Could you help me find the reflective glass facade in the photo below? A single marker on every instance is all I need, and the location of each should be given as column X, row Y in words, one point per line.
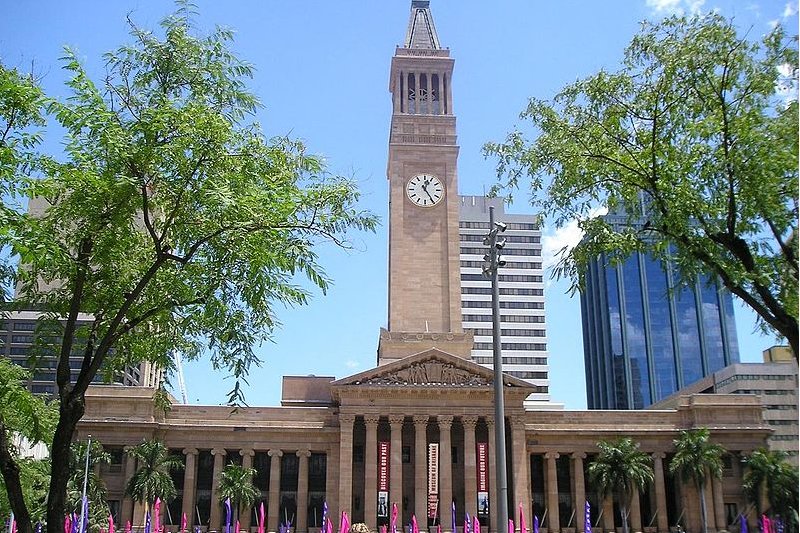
column 646, row 335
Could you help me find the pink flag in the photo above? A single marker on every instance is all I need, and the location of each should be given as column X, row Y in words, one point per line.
column 522, row 527
column 439, row 528
column 183, row 524
column 344, row 526
column 510, row 526
column 382, row 529
column 13, row 526
column 329, row 526
column 157, row 515
column 414, row 526
column 237, row 526
column 110, row 524
column 393, row 523
column 128, row 526
column 67, row 524
column 261, row 518
column 476, row 525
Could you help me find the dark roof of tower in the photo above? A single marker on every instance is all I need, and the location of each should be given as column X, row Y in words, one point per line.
column 421, row 30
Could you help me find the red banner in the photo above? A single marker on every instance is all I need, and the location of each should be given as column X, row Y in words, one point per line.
column 383, row 466
column 483, row 478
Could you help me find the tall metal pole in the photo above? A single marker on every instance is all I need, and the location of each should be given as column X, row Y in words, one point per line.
column 499, row 401
column 85, row 483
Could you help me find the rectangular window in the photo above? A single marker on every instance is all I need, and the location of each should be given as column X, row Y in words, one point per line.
column 406, row 454
column 358, row 453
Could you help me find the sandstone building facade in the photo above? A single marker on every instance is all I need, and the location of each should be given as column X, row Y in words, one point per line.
column 416, row 430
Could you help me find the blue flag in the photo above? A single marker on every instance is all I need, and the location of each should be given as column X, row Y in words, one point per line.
column 147, row 523
column 38, row 528
column 324, row 513
column 588, row 523
column 453, row 516
column 85, row 512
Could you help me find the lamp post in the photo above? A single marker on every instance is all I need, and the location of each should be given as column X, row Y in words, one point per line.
column 491, row 263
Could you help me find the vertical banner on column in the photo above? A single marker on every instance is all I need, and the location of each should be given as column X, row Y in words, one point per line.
column 433, row 479
column 383, row 479
column 483, row 478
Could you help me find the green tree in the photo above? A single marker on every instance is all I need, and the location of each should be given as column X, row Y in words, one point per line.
column 621, row 469
column 769, row 477
column 152, row 478
column 22, row 416
column 697, row 459
column 236, row 483
column 695, row 140
column 95, row 486
column 170, row 220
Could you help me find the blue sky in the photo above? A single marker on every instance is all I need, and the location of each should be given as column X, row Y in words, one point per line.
column 322, row 74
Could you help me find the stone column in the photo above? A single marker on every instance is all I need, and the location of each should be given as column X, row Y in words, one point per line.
column 130, row 470
column 421, row 470
column 302, row 491
column 189, row 484
column 580, row 490
column 398, row 94
column 371, row 472
column 470, row 465
column 661, row 498
column 522, row 470
column 636, row 510
column 219, row 458
column 608, row 513
column 396, row 465
column 553, row 520
column 449, row 94
column 246, row 513
column 445, row 471
column 440, row 93
column 491, row 454
column 346, row 422
column 719, row 504
column 273, row 503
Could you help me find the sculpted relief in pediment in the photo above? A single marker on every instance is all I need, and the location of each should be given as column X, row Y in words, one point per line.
column 431, row 373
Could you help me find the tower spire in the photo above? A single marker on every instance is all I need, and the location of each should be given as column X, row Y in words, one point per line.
column 421, row 30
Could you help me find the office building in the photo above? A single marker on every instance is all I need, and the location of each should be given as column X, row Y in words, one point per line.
column 415, row 431
column 523, row 337
column 24, row 339
column 773, row 382
column 646, row 335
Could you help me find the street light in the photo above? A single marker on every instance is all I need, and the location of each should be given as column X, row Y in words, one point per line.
column 492, row 262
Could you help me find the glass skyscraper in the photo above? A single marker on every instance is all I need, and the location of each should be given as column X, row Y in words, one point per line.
column 646, row 335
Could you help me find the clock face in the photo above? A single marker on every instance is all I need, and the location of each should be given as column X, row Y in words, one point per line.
column 425, row 190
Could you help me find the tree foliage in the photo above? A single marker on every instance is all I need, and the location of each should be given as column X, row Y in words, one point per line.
column 170, row 221
column 769, row 474
column 697, row 459
column 621, row 469
column 95, row 486
column 152, row 478
column 236, row 483
column 694, row 140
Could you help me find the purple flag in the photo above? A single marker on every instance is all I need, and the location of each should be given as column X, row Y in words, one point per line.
column 324, row 513
column 742, row 523
column 147, row 523
column 228, row 515
column 588, row 519
column 467, row 524
column 75, row 523
column 535, row 524
column 453, row 516
column 85, row 511
column 38, row 528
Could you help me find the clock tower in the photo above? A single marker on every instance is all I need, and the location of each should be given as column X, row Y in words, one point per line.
column 424, row 278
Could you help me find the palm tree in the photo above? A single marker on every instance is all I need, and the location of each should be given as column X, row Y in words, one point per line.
column 696, row 458
column 152, row 478
column 95, row 486
column 621, row 468
column 236, row 483
column 769, row 474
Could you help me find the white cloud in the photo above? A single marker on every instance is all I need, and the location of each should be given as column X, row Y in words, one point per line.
column 351, row 364
column 561, row 240
column 773, row 23
column 790, row 10
column 675, row 7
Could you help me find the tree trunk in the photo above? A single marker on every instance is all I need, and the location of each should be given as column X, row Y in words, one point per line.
column 703, row 512
column 13, row 485
column 70, row 413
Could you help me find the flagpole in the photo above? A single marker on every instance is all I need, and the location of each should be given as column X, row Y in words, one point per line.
column 85, row 483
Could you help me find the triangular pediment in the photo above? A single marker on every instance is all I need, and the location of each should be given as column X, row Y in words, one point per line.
column 432, row 368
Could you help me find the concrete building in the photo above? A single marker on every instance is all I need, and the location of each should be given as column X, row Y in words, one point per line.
column 523, row 333
column 774, row 383
column 646, row 335
column 416, row 431
column 25, row 340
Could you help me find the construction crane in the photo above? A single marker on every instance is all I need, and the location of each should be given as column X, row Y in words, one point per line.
column 181, row 382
